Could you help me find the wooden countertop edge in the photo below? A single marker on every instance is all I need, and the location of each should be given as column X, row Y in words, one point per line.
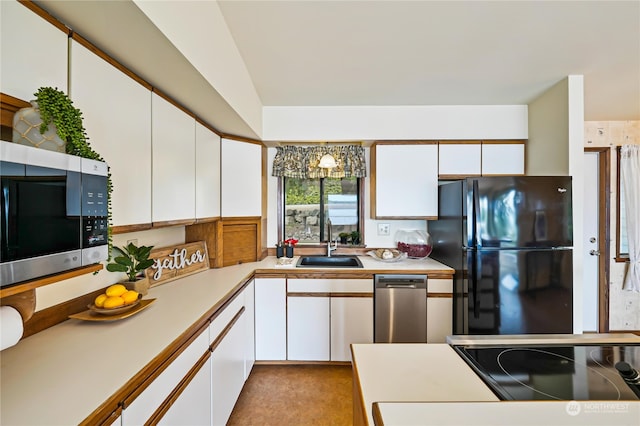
column 345, row 273
column 120, row 399
column 138, row 383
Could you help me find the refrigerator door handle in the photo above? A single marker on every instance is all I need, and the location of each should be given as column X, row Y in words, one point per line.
column 474, row 284
column 475, row 215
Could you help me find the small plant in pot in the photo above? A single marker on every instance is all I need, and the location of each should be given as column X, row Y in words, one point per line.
column 355, row 238
column 344, row 237
column 133, row 260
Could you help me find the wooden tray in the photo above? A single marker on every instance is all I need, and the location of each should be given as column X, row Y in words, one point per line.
column 90, row 315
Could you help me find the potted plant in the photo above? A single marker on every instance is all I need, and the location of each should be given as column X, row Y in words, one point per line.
column 57, row 109
column 344, row 236
column 355, row 238
column 133, row 261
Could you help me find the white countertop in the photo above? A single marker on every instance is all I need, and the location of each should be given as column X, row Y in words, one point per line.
column 405, row 372
column 69, row 370
column 511, row 413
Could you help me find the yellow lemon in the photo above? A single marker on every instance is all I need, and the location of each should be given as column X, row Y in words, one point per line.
column 130, row 296
column 113, row 302
column 99, row 302
column 116, row 290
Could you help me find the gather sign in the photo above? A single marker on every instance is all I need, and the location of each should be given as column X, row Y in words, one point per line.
column 170, row 263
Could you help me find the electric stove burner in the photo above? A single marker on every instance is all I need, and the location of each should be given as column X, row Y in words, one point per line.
column 566, row 373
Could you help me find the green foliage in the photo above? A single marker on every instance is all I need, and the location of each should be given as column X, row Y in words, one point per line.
column 307, row 191
column 132, row 260
column 56, row 107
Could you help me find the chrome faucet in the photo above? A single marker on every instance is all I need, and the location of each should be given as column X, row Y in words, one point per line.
column 329, row 248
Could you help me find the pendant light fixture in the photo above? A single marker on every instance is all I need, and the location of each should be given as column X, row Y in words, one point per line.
column 327, row 162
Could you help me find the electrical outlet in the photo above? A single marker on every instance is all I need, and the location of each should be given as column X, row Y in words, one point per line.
column 135, row 242
column 383, row 229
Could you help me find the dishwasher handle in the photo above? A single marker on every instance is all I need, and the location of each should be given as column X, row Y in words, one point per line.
column 400, row 285
column 401, row 281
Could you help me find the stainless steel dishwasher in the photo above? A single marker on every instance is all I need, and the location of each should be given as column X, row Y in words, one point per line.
column 400, row 309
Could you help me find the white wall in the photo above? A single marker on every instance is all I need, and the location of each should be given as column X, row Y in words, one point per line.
column 555, row 147
column 395, row 122
column 199, row 31
column 63, row 291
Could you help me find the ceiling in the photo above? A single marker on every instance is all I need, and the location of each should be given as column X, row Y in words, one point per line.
column 392, row 53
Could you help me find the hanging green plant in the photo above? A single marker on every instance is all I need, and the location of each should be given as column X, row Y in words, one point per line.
column 57, row 108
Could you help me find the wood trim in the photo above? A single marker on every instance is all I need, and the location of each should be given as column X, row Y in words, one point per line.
column 620, row 258
column 329, row 294
column 226, row 330
column 346, row 273
column 405, row 142
column 157, row 416
column 505, row 142
column 134, row 387
column 359, row 409
column 99, row 53
column 173, row 102
column 9, row 106
column 241, row 139
column 636, row 332
column 45, row 318
column 376, row 414
column 207, row 220
column 45, row 15
column 169, row 223
column 49, row 279
column 440, row 295
column 457, row 177
column 406, row 217
column 208, row 126
column 125, row 229
column 24, row 302
column 604, row 234
column 373, row 167
column 460, row 142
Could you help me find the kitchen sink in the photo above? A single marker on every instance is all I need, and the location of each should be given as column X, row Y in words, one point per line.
column 329, row 262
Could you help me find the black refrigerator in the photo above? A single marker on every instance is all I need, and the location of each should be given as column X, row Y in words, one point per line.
column 509, row 239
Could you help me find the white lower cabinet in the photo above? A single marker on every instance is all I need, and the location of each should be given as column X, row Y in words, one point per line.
column 250, row 331
column 271, row 319
column 202, row 385
column 308, row 328
column 227, row 370
column 439, row 319
column 439, row 309
column 193, row 406
column 143, row 407
column 322, row 323
column 351, row 322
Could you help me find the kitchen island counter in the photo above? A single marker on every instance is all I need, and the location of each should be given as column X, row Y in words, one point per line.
column 407, row 372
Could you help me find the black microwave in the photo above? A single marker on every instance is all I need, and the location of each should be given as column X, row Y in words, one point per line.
column 53, row 211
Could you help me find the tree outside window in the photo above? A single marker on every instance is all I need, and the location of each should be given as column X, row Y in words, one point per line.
column 310, row 202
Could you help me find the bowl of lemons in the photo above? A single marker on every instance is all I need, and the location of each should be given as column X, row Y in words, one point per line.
column 115, row 300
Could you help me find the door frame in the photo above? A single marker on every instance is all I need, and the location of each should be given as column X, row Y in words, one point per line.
column 604, row 233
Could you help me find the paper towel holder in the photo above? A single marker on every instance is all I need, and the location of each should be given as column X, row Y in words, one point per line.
column 24, row 302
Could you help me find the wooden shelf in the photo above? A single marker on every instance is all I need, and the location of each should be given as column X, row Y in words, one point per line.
column 49, row 279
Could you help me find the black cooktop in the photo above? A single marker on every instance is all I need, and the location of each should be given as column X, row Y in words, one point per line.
column 571, row 373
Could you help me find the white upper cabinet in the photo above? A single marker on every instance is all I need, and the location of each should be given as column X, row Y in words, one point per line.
column 117, row 118
column 241, row 179
column 503, row 158
column 459, row 158
column 207, row 173
column 34, row 52
column 173, row 161
column 404, row 181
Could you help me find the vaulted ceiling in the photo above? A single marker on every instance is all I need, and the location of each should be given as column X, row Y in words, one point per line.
column 391, row 53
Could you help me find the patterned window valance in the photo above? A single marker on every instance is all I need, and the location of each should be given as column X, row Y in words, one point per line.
column 302, row 161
